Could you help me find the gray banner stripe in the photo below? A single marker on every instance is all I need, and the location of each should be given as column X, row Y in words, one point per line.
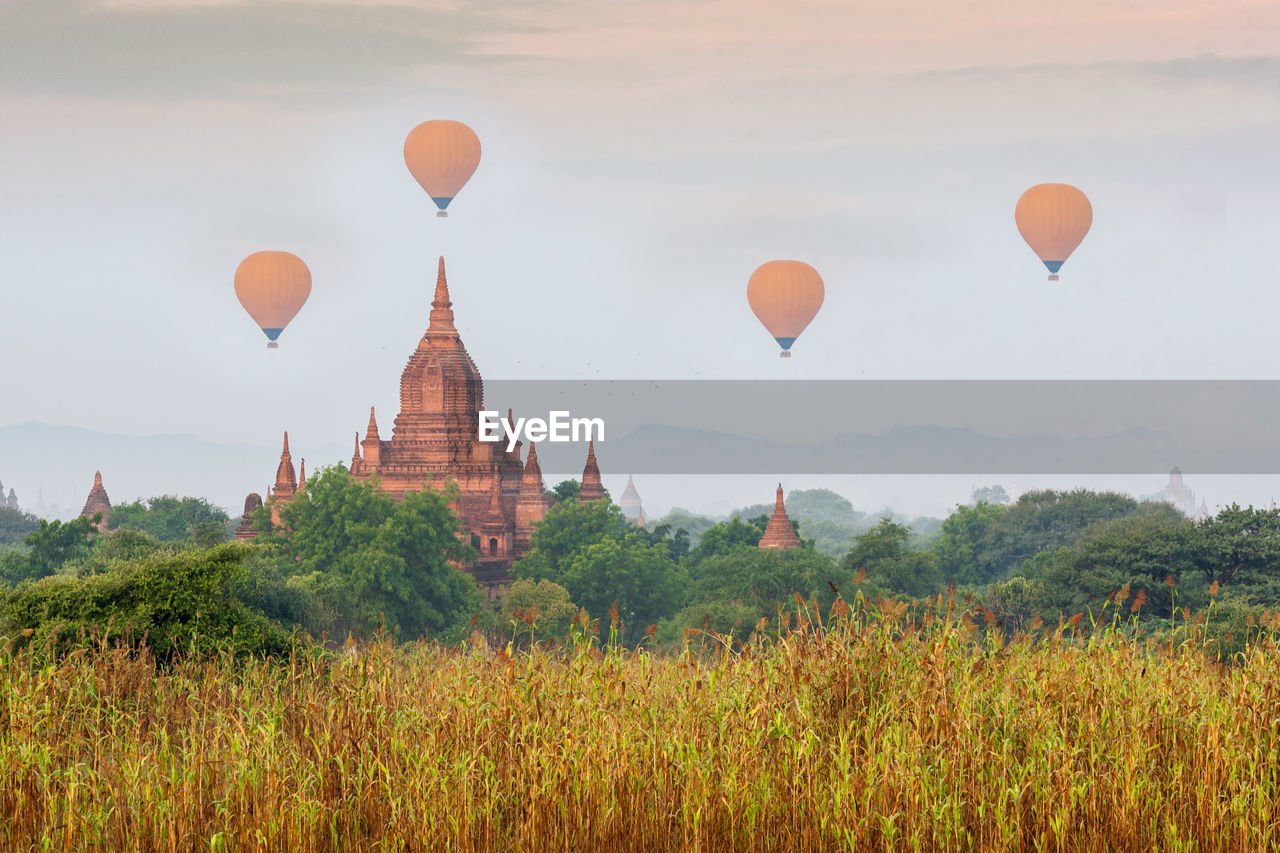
column 910, row 426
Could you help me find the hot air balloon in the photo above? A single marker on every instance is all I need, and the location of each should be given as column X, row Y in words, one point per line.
column 1053, row 219
column 272, row 287
column 442, row 155
column 785, row 296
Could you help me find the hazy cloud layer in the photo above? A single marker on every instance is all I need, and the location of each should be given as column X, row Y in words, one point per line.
column 212, row 49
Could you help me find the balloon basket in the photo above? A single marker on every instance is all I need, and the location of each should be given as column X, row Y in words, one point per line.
column 273, row 345
column 1053, row 277
column 440, row 214
column 784, row 354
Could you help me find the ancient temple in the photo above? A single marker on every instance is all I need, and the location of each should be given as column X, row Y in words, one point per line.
column 97, row 502
column 592, row 489
column 1202, row 514
column 630, row 503
column 245, row 529
column 780, row 533
column 1176, row 493
column 435, row 441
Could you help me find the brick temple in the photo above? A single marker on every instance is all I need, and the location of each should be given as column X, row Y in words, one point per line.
column 434, row 441
column 780, row 533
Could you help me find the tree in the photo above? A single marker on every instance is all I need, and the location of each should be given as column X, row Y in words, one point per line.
column 994, row 495
column 1140, row 551
column 726, row 537
column 889, row 562
column 735, row 590
column 676, row 541
column 567, row 529
column 538, row 609
column 566, row 490
column 641, row 579
column 682, row 519
column 51, row 546
column 373, row 561
column 171, row 519
column 1045, row 520
column 179, row 603
column 964, row 544
column 815, row 505
column 1242, row 547
column 16, row 525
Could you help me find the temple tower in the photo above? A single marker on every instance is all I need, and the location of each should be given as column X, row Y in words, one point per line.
column 780, row 533
column 97, row 502
column 592, row 489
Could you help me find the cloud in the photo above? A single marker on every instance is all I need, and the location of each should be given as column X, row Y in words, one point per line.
column 214, row 49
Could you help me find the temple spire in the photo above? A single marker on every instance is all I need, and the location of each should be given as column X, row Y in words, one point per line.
column 372, row 430
column 355, row 457
column 286, row 477
column 441, row 306
column 780, row 533
column 98, row 502
column 592, row 489
column 533, row 471
column 302, row 476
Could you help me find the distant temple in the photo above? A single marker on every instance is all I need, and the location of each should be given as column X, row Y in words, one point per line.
column 97, row 502
column 780, row 533
column 630, row 503
column 1202, row 514
column 1176, row 494
column 435, row 440
column 251, row 504
column 10, row 502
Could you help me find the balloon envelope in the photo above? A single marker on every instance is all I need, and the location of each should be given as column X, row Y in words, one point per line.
column 1053, row 219
column 442, row 155
column 785, row 296
column 272, row 287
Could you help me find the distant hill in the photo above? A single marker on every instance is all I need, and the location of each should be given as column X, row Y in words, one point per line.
column 59, row 461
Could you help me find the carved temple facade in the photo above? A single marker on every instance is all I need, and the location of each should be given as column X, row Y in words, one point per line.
column 435, row 441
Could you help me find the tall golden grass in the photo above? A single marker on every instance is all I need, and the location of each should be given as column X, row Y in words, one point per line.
column 866, row 729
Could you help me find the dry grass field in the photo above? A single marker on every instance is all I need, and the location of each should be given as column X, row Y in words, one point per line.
column 873, row 729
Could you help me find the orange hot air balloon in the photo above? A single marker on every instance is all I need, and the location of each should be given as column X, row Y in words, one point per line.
column 272, row 287
column 442, row 155
column 785, row 296
column 1053, row 219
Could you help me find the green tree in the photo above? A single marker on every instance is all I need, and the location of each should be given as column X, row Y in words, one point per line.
column 1140, row 550
column 566, row 490
column 994, row 495
column 373, row 561
column 963, row 547
column 1045, row 520
column 51, row 546
column 176, row 603
column 16, row 525
column 538, row 609
column 736, row 589
column 567, row 529
column 172, row 519
column 641, row 579
column 676, row 540
column 1242, row 547
column 682, row 519
column 816, row 505
column 891, row 564
column 726, row 537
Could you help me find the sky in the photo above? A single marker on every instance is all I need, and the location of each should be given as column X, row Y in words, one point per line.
column 640, row 160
